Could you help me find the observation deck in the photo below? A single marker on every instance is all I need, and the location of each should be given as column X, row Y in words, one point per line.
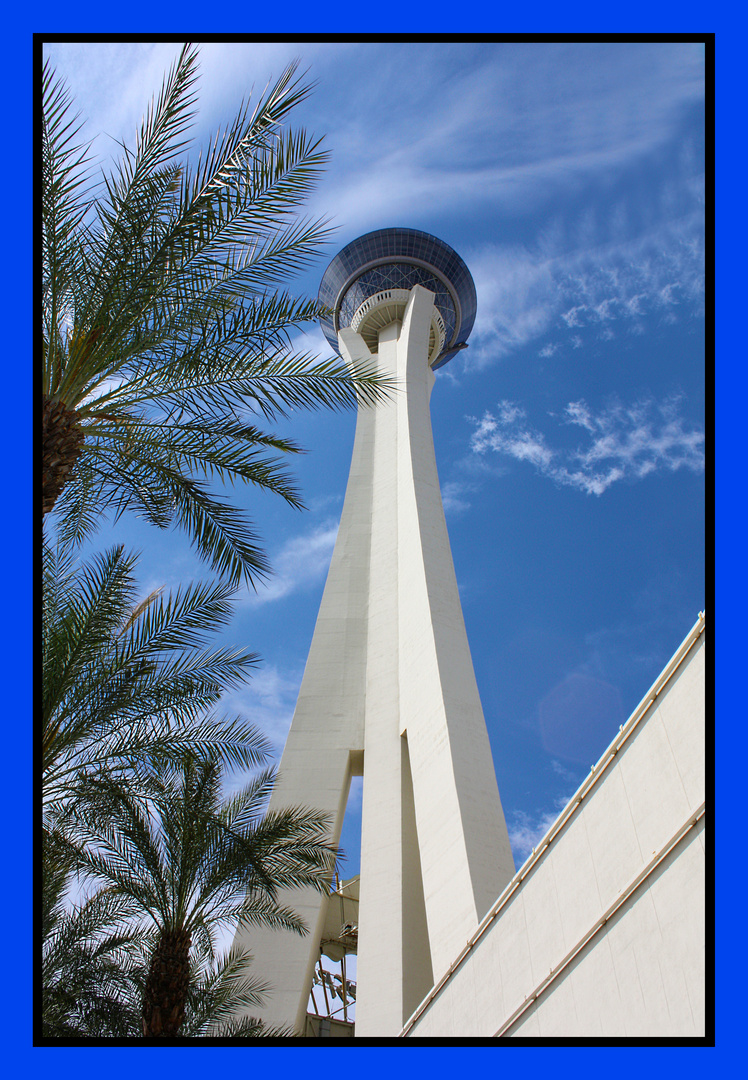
column 366, row 286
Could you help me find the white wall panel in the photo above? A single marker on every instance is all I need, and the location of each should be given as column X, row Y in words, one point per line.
column 642, row 973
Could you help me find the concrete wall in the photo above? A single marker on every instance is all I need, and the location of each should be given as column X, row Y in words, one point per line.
column 601, row 932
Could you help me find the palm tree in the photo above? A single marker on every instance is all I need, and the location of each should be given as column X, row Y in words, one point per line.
column 123, row 683
column 166, row 335
column 127, row 689
column 190, row 864
column 95, row 963
column 90, row 956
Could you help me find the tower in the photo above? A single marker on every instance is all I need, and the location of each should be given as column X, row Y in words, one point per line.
column 389, row 689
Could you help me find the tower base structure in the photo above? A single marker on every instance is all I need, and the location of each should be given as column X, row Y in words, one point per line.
column 389, row 691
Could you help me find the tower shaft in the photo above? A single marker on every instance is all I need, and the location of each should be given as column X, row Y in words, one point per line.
column 389, row 686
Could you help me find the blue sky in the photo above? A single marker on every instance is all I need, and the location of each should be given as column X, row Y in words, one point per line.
column 569, row 435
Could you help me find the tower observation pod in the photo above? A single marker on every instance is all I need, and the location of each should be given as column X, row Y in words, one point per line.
column 389, row 689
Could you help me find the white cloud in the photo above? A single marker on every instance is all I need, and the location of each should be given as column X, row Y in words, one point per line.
column 267, row 699
column 518, row 297
column 106, row 386
column 112, row 85
column 572, row 317
column 453, row 496
column 524, row 293
column 625, row 443
column 566, row 774
column 527, row 830
column 577, row 412
column 300, row 563
column 514, row 139
column 510, row 412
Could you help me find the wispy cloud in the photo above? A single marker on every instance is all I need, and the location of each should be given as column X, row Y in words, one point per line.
column 527, row 830
column 647, row 633
column 268, row 700
column 525, row 294
column 513, row 142
column 623, row 443
column 566, row 774
column 491, row 138
column 455, row 496
column 300, row 563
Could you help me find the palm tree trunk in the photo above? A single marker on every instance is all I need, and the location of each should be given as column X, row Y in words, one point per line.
column 62, row 440
column 167, row 984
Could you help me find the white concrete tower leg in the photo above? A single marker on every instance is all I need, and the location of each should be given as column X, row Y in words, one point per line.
column 465, row 855
column 424, row 882
column 325, row 742
column 387, row 965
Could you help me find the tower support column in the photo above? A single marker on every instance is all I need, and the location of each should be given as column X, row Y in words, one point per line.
column 389, row 683
column 434, row 850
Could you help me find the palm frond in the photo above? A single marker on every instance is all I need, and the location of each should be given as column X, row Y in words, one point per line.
column 65, row 204
column 219, row 990
column 170, row 844
column 164, row 847
column 166, row 328
column 89, row 957
column 79, row 631
column 124, row 682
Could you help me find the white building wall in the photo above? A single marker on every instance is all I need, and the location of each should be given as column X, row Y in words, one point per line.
column 601, row 932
